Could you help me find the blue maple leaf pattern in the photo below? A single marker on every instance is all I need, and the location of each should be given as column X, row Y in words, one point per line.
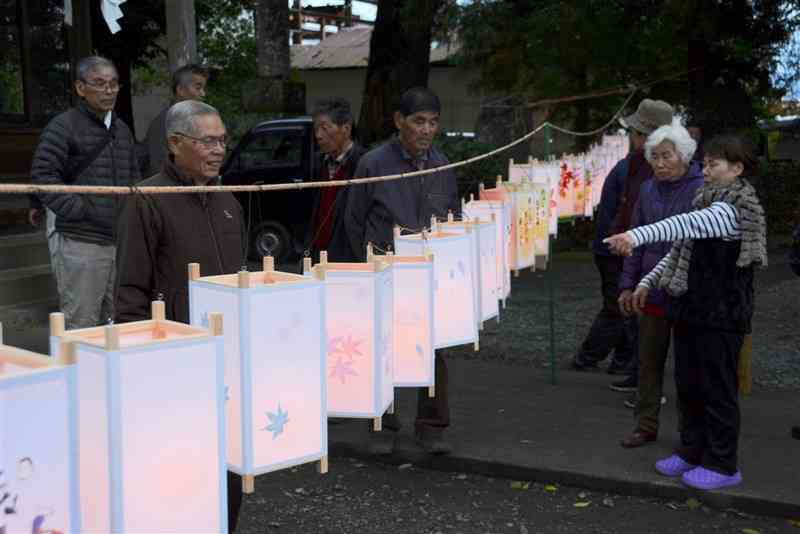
column 420, row 351
column 452, row 274
column 461, row 268
column 276, row 422
column 227, row 393
column 342, row 369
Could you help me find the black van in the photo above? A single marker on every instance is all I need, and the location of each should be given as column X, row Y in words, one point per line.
column 272, row 152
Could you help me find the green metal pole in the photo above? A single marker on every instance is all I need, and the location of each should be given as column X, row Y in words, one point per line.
column 548, row 140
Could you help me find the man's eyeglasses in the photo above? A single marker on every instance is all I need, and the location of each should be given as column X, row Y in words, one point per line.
column 99, row 85
column 207, row 142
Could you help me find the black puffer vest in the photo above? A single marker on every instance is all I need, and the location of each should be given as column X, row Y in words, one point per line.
column 720, row 294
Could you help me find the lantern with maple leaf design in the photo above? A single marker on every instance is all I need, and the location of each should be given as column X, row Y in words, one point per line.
column 500, row 212
column 151, row 414
column 38, row 443
column 276, row 413
column 456, row 313
column 360, row 338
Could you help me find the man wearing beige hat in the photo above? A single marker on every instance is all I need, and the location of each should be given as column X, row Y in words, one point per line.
column 611, row 331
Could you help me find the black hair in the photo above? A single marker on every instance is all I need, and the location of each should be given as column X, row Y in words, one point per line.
column 183, row 75
column 732, row 148
column 337, row 108
column 419, row 99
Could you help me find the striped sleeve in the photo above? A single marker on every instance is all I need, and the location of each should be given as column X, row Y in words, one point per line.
column 650, row 280
column 718, row 220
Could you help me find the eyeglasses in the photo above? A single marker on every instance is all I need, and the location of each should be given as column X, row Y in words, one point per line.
column 99, row 85
column 207, row 142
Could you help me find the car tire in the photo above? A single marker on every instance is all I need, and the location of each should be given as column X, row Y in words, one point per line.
column 270, row 238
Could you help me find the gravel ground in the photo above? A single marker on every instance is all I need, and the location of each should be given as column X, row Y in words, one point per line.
column 523, row 335
column 364, row 498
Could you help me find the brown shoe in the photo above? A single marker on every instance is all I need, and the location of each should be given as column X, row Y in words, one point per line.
column 637, row 438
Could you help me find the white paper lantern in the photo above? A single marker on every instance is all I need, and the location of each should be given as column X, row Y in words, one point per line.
column 413, row 353
column 360, row 338
column 151, row 419
column 501, row 212
column 38, row 444
column 274, row 366
column 456, row 313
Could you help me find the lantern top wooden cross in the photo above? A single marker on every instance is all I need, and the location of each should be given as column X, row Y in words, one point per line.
column 246, row 279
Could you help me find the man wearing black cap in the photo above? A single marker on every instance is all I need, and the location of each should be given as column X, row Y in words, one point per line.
column 373, row 210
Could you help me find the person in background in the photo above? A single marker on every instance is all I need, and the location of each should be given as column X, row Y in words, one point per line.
column 676, row 178
column 708, row 276
column 611, row 330
column 188, row 83
column 162, row 234
column 86, row 145
column 338, row 160
column 374, row 209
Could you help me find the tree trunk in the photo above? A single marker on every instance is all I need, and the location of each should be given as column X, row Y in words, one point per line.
column 272, row 38
column 399, row 58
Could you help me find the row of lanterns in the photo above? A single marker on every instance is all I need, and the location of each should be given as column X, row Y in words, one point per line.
column 131, row 428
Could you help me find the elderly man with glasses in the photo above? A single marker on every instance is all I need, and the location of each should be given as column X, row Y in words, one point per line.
column 161, row 234
column 86, row 145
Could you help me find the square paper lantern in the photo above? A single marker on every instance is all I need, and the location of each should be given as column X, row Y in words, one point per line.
column 500, row 212
column 485, row 253
column 152, row 439
column 38, row 444
column 359, row 318
column 413, row 320
column 456, row 313
column 276, row 413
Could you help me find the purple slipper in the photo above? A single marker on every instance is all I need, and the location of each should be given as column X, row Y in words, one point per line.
column 673, row 466
column 705, row 479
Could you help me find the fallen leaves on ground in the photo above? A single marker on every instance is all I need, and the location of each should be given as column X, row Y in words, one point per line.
column 520, row 485
column 550, row 488
column 582, row 504
column 693, row 504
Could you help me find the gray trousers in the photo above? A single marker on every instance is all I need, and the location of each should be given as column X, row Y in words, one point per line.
column 85, row 275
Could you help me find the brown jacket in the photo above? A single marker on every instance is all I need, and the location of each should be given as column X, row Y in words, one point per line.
column 161, row 234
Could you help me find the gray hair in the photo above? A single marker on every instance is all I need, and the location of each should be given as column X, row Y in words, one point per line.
column 180, row 117
column 89, row 64
column 676, row 134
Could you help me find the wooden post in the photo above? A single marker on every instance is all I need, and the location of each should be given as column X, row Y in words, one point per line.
column 477, row 345
column 244, row 279
column 268, row 264
column 431, row 391
column 370, row 252
column 215, row 323
column 111, row 337
column 158, row 311
column 323, row 256
column 194, row 271
column 481, row 188
column 499, row 181
column 376, row 424
column 397, row 231
column 450, row 217
column 248, row 484
column 56, row 324
column 66, row 352
column 306, row 265
column 322, row 466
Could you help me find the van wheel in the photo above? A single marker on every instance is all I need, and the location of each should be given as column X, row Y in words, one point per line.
column 270, row 239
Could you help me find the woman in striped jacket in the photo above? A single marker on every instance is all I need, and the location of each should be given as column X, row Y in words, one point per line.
column 708, row 276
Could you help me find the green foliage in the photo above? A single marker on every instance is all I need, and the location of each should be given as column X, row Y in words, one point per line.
column 778, row 186
column 470, row 176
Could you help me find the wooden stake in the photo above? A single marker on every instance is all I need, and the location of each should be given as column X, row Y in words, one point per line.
column 516, row 273
column 306, row 265
column 215, row 323
column 322, row 466
column 248, row 484
column 431, row 391
column 433, row 223
column 370, row 252
column 477, row 346
column 268, row 264
column 111, row 337
column 194, row 271
column 450, row 217
column 244, row 279
column 323, row 256
column 66, row 352
column 376, row 424
column 397, row 231
column 57, row 324
column 158, row 311
column 390, row 409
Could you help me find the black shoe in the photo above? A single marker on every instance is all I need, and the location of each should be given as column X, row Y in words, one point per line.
column 390, row 421
column 432, row 440
column 577, row 364
column 796, row 432
column 614, row 369
column 631, row 383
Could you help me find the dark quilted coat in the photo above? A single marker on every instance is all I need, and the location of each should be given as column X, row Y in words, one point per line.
column 66, row 141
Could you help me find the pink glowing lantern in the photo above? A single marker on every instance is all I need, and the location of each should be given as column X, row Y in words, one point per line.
column 152, row 440
column 359, row 311
column 500, row 212
column 456, row 312
column 38, row 444
column 276, row 415
column 413, row 320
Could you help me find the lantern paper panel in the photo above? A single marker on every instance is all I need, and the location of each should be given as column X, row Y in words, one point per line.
column 462, row 227
column 413, row 320
column 485, row 209
column 566, row 190
column 524, row 206
column 456, row 313
column 275, row 347
column 578, row 184
column 553, row 174
column 151, row 401
column 39, row 489
column 359, row 323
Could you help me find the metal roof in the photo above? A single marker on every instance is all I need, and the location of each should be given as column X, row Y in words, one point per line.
column 347, row 49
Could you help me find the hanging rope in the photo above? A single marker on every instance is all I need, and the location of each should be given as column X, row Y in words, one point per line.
column 160, row 190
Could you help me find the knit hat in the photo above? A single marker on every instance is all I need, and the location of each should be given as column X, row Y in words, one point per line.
column 650, row 115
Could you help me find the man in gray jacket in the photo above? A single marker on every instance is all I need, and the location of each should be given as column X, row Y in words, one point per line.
column 86, row 145
column 374, row 209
